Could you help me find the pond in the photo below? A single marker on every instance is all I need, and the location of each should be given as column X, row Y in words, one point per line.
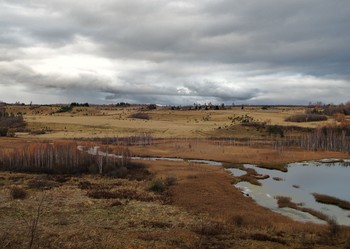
column 329, row 177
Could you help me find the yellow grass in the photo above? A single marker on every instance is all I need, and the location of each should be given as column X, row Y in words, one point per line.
column 85, row 122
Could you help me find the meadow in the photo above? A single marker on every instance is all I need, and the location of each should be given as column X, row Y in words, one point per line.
column 67, row 198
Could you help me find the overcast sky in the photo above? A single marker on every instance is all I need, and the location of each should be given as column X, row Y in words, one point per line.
column 175, row 52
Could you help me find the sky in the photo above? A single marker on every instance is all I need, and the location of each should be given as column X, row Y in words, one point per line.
column 175, row 52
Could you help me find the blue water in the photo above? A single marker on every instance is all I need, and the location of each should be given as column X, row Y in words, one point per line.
column 301, row 180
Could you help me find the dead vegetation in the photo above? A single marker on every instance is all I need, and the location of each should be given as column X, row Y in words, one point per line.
column 326, row 199
column 306, row 118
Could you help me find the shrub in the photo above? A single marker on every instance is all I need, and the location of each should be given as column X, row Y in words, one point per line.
column 85, row 185
column 170, row 180
column 333, row 227
column 152, row 107
column 121, row 193
column 116, row 203
column 42, row 184
column 339, row 117
column 140, row 115
column 3, row 131
column 306, row 118
column 38, row 132
column 265, row 237
column 347, row 244
column 211, row 228
column 333, row 109
column 67, row 108
column 238, row 220
column 18, row 193
column 119, row 172
column 102, row 194
column 157, row 185
column 275, row 130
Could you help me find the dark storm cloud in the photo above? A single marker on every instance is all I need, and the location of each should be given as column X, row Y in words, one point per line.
column 169, row 51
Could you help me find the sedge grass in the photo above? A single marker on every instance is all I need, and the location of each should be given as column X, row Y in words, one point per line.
column 326, row 199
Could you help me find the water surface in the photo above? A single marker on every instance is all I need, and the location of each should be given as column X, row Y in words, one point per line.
column 301, row 180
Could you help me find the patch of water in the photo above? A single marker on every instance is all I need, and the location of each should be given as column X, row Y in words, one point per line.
column 301, row 180
column 236, row 172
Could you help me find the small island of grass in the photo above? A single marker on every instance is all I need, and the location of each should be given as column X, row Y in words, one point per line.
column 326, row 199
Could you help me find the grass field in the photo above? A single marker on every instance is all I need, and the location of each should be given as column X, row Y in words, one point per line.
column 168, row 204
column 87, row 122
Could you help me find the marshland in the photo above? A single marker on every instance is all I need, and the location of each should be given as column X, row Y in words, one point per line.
column 145, row 176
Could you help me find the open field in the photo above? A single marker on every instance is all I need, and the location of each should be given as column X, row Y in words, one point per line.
column 164, row 204
column 88, row 122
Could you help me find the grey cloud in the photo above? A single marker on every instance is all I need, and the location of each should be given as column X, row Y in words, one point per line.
column 180, row 50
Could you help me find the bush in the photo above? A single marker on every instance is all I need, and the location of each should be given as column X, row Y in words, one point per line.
column 211, row 228
column 140, row 115
column 238, row 220
column 275, row 130
column 42, row 184
column 333, row 109
column 334, row 228
column 85, row 185
column 339, row 117
column 306, row 118
column 65, row 109
column 170, row 180
column 3, row 131
column 152, row 107
column 119, row 172
column 103, row 194
column 18, row 193
column 157, row 185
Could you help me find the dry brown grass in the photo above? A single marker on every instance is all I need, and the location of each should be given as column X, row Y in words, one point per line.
column 72, row 219
column 233, row 152
column 205, row 212
column 326, row 199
